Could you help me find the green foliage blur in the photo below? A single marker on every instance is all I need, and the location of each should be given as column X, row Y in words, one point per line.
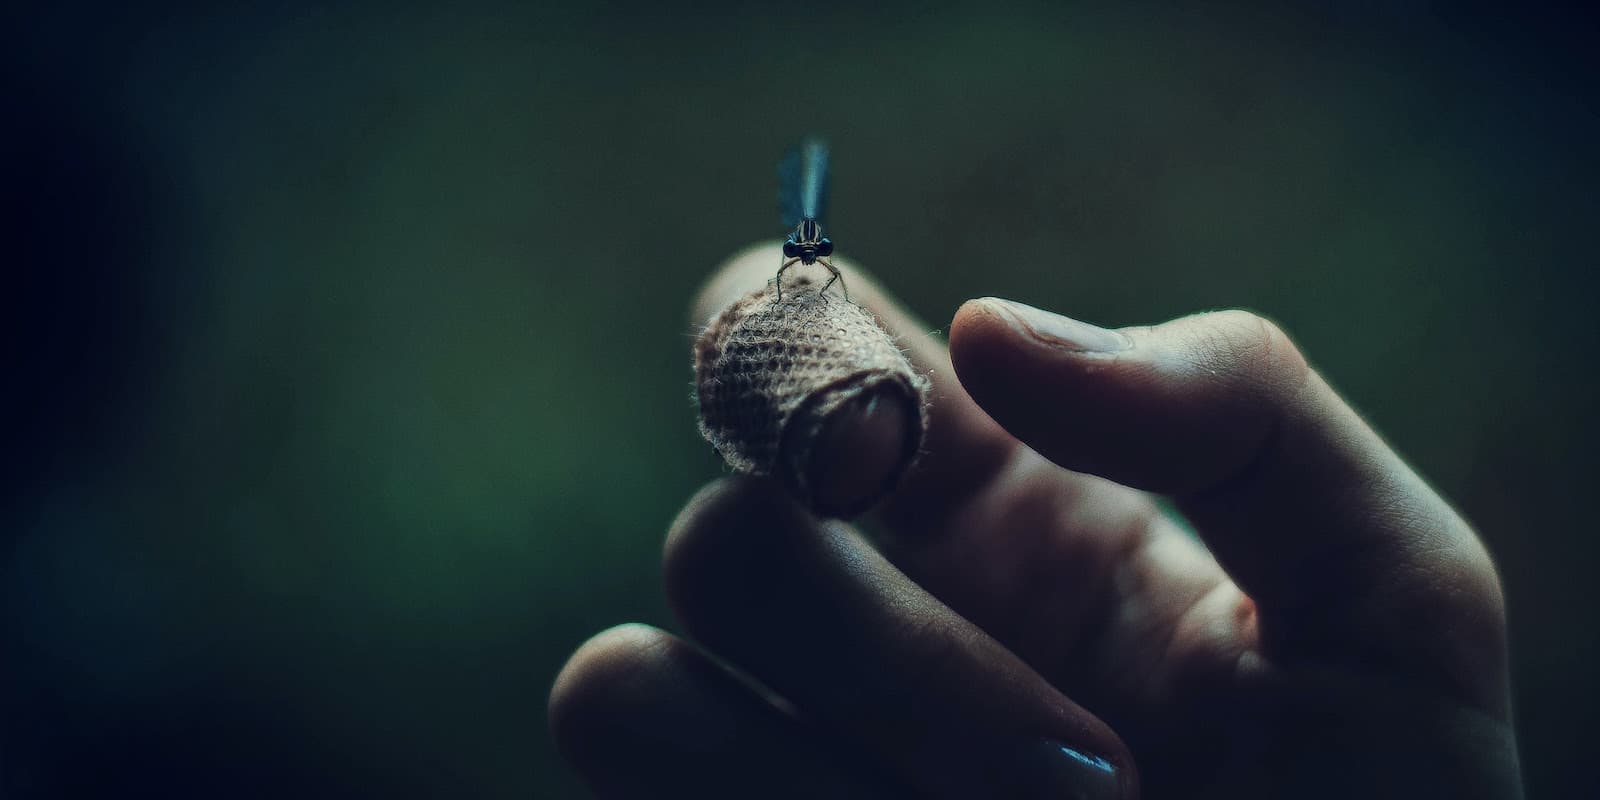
column 354, row 383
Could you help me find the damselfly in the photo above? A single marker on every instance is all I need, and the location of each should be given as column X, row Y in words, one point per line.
column 802, row 200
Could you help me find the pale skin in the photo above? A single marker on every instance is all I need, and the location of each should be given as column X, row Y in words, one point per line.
column 1030, row 622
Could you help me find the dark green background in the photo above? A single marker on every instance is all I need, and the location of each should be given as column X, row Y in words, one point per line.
column 350, row 384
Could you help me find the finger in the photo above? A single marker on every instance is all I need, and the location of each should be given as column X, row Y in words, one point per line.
column 975, row 487
column 811, row 610
column 963, row 448
column 640, row 713
column 1310, row 512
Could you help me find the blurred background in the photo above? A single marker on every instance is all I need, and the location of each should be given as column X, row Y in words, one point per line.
column 347, row 381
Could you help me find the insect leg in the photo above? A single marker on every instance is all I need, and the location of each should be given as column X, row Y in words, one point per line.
column 778, row 281
column 836, row 277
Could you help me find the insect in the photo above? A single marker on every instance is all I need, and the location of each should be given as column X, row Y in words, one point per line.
column 802, row 197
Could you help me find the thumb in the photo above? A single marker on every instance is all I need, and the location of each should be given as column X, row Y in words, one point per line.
column 1346, row 551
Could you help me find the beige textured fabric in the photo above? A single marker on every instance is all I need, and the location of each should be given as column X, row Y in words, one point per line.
column 768, row 375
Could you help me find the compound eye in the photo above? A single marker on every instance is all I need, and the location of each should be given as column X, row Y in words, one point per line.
column 825, row 247
column 790, row 251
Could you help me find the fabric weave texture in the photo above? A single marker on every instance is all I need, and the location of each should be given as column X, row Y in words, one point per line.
column 770, row 374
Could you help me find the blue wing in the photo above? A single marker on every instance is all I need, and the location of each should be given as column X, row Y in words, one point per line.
column 803, row 183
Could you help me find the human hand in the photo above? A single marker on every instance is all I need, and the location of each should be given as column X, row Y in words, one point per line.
column 1031, row 624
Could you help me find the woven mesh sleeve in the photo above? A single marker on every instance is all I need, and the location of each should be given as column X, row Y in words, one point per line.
column 769, row 374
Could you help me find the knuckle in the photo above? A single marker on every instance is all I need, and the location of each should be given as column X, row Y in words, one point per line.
column 1481, row 586
column 1252, row 350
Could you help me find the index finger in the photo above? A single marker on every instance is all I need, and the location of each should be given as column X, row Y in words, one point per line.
column 964, row 449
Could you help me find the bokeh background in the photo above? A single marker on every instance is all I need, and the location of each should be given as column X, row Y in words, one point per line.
column 347, row 382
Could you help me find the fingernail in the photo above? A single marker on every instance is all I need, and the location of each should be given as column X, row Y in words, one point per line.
column 1061, row 771
column 855, row 442
column 1058, row 331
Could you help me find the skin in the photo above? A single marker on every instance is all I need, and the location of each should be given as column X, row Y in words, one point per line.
column 1330, row 628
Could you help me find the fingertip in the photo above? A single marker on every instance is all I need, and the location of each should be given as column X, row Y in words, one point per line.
column 594, row 685
column 743, row 272
column 723, row 508
column 719, row 532
column 1174, row 408
column 696, row 508
column 638, row 712
column 974, row 320
column 981, row 338
column 977, row 317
